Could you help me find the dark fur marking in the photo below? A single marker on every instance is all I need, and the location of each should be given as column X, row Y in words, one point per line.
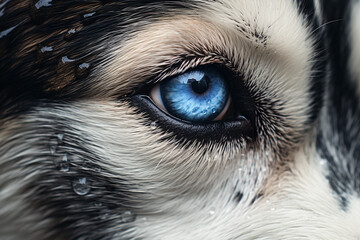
column 342, row 107
column 257, row 197
column 239, row 196
column 91, row 215
column 27, row 75
column 337, row 178
column 306, row 7
column 344, row 139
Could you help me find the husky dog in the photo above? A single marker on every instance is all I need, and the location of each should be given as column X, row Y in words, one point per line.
column 178, row 120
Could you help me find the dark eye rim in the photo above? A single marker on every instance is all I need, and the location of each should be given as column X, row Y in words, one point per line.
column 227, row 130
column 239, row 124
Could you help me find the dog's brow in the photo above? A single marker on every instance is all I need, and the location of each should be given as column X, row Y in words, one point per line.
column 147, row 53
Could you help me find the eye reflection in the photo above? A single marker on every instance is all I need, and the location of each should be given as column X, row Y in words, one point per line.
column 199, row 95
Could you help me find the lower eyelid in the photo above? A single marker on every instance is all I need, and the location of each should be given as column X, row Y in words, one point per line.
column 241, row 128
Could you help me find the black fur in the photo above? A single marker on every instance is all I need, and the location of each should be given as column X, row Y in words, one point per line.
column 92, row 214
column 342, row 109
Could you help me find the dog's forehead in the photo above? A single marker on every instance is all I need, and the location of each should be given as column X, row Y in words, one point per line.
column 54, row 47
column 231, row 29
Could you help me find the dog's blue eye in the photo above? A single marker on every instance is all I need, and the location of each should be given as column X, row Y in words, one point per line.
column 199, row 95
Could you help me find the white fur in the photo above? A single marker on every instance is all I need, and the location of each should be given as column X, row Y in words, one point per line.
column 279, row 66
column 18, row 218
column 181, row 186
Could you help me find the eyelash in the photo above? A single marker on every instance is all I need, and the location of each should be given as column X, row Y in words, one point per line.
column 186, row 63
column 237, row 125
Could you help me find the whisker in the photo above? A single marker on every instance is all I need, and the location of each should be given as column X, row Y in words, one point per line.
column 325, row 24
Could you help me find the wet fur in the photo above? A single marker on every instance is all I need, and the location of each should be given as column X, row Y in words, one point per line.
column 296, row 177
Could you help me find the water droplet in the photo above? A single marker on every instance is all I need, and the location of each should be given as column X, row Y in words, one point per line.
column 88, row 18
column 208, row 102
column 60, row 137
column 81, row 186
column 267, row 201
column 69, row 35
column 272, row 209
column 267, row 153
column 89, row 14
column 83, row 70
column 55, row 141
column 217, row 157
column 84, row 65
column 71, row 31
column 65, row 74
column 45, row 55
column 39, row 10
column 127, row 217
column 64, row 165
column 212, row 211
column 46, row 49
column 98, row 204
column 53, row 146
column 43, row 3
column 7, row 31
column 53, row 149
column 322, row 162
column 153, row 125
column 65, row 59
column 213, row 110
column 105, row 216
column 143, row 221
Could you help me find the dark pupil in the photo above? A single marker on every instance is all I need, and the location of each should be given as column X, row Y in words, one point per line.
column 199, row 86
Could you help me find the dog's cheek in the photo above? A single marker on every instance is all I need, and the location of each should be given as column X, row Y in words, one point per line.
column 59, row 171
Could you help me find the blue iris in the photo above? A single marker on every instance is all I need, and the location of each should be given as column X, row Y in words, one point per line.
column 199, row 95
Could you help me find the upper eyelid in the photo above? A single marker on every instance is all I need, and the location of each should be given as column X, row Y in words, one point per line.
column 149, row 56
column 182, row 65
column 190, row 62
